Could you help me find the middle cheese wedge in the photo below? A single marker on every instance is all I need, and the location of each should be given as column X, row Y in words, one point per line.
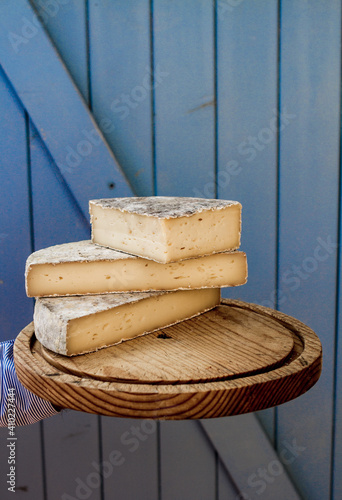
column 77, row 325
column 83, row 268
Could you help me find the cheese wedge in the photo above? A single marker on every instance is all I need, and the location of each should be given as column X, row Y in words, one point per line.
column 77, row 325
column 166, row 229
column 82, row 268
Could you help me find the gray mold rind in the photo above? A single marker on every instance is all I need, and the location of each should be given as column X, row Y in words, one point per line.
column 46, row 322
column 163, row 207
column 77, row 251
column 85, row 305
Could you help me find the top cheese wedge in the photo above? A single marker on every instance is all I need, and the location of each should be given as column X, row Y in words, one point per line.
column 166, row 229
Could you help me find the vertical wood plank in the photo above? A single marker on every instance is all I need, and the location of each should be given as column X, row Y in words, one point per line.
column 187, row 462
column 183, row 44
column 15, row 308
column 247, row 147
column 184, row 95
column 130, row 452
column 247, row 102
column 120, row 67
column 309, row 172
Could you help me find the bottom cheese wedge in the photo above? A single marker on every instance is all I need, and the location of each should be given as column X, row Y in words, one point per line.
column 77, row 325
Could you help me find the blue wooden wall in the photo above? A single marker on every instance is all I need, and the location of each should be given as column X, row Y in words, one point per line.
column 236, row 99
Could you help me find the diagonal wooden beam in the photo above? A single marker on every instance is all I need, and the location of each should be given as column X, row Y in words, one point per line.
column 55, row 105
column 250, row 459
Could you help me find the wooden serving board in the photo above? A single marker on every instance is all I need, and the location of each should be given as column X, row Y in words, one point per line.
column 235, row 359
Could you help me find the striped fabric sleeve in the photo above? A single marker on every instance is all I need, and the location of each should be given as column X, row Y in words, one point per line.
column 18, row 406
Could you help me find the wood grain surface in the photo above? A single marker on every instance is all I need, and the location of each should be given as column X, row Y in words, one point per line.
column 234, row 359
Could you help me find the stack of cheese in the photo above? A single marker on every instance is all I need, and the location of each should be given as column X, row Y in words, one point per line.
column 152, row 262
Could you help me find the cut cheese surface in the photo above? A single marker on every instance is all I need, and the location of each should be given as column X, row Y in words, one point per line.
column 82, row 268
column 77, row 325
column 166, row 229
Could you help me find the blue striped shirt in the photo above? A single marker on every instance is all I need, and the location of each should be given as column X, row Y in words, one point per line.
column 18, row 406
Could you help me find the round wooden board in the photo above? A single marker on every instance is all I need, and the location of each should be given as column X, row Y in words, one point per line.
column 235, row 359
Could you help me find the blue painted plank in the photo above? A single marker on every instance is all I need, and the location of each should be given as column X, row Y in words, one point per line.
column 130, row 452
column 56, row 107
column 184, row 96
column 247, row 140
column 15, row 239
column 66, row 21
column 309, row 173
column 188, row 462
column 247, row 74
column 120, row 66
